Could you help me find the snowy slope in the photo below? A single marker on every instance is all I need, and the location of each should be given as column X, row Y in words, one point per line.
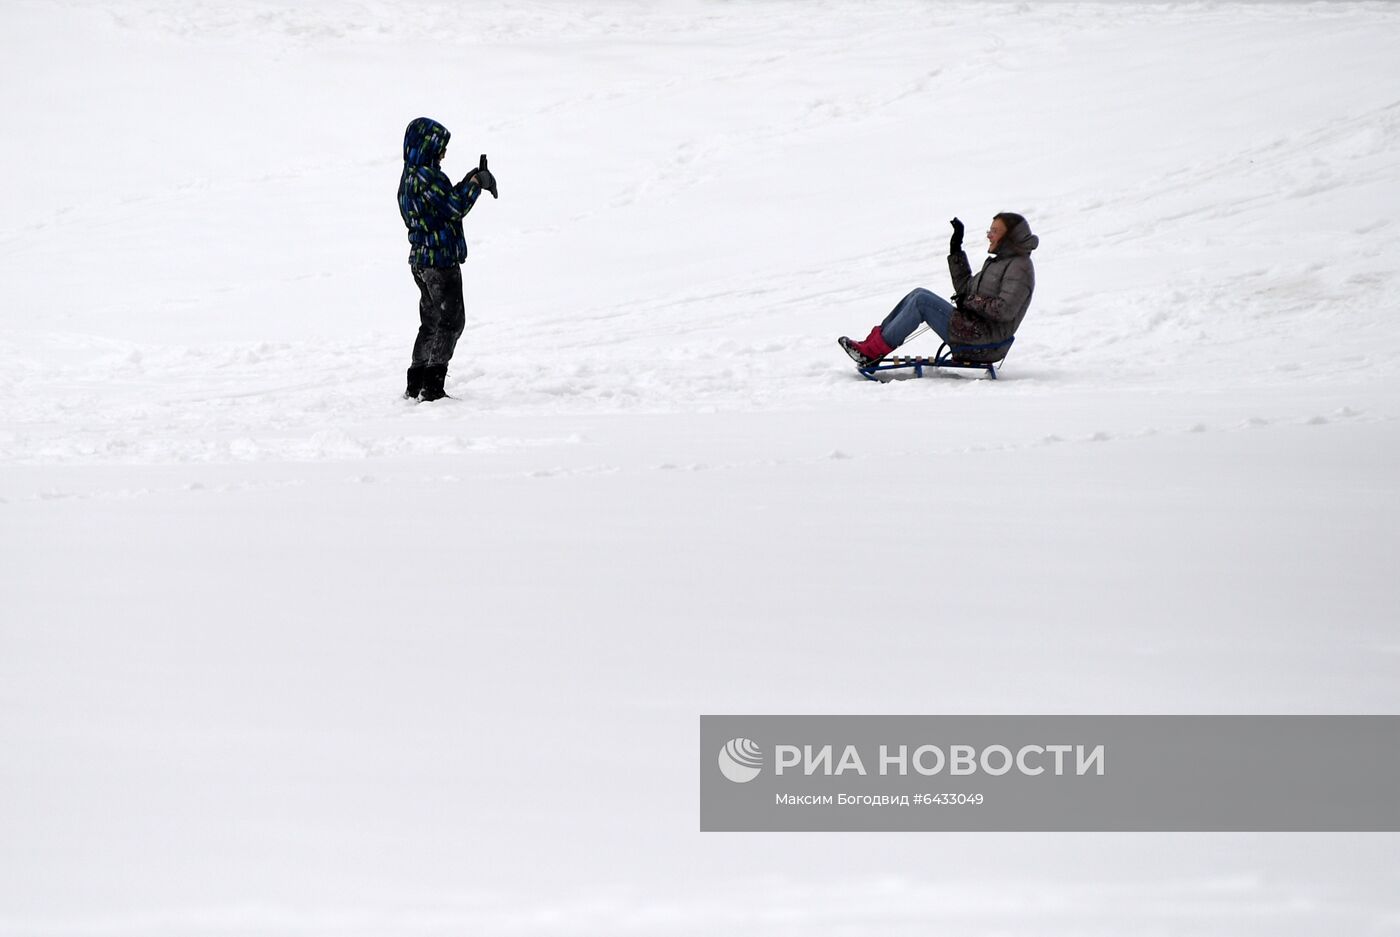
column 282, row 654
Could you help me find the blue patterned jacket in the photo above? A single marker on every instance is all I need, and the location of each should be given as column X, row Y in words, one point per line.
column 431, row 206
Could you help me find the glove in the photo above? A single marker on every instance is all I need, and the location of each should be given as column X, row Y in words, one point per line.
column 955, row 245
column 483, row 177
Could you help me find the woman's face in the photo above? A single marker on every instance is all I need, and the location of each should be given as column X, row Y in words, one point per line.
column 995, row 233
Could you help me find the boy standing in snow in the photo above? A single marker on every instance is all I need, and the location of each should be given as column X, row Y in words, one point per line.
column 432, row 209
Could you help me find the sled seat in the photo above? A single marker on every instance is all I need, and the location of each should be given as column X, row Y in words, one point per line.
column 964, row 357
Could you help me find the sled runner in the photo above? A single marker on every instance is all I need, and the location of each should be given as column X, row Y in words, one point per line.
column 960, row 357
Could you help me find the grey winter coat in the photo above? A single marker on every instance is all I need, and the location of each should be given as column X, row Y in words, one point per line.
column 992, row 304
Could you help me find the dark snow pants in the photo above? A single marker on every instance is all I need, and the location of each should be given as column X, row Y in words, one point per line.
column 441, row 314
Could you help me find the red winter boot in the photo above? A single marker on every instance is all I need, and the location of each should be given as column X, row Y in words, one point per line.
column 867, row 352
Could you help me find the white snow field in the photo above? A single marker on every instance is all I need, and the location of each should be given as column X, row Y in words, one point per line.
column 283, row 655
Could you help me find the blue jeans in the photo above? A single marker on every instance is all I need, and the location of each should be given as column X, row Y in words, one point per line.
column 918, row 306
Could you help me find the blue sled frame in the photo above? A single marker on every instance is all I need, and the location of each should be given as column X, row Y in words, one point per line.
column 947, row 357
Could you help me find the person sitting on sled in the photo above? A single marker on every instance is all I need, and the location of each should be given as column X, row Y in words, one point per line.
column 986, row 308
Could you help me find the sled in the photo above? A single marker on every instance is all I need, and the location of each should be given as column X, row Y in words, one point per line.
column 952, row 357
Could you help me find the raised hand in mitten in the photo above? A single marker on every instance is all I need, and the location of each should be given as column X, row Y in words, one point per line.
column 484, row 178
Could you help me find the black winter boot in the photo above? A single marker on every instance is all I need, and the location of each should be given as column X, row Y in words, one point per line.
column 433, row 379
column 415, row 382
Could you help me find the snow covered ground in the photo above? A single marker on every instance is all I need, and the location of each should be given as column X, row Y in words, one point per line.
column 281, row 654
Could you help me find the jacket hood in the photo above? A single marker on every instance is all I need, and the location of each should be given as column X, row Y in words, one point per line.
column 424, row 142
column 1019, row 240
